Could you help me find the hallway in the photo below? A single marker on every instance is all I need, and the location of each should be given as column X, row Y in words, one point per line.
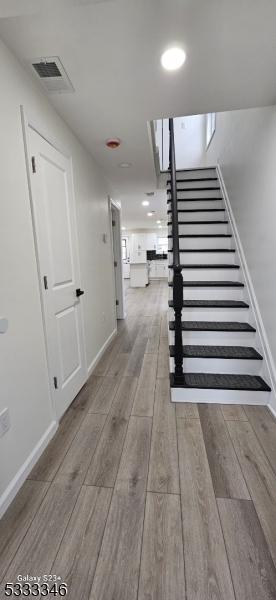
column 129, row 476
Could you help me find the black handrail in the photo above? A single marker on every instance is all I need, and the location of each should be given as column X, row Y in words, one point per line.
column 177, row 274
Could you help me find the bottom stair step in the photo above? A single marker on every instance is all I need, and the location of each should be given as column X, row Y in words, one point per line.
column 217, row 381
column 225, row 352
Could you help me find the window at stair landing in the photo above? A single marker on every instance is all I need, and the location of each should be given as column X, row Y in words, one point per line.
column 210, row 128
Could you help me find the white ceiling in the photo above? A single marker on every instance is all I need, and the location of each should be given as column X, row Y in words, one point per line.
column 111, row 50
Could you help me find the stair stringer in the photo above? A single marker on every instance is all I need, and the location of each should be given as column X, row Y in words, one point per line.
column 269, row 367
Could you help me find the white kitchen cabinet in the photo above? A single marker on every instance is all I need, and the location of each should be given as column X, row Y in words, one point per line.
column 151, row 241
column 158, row 269
column 138, row 248
column 126, row 270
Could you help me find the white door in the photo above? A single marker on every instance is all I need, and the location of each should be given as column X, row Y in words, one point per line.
column 56, row 239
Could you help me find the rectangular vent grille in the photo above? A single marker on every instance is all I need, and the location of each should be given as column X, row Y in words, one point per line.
column 47, row 69
column 52, row 74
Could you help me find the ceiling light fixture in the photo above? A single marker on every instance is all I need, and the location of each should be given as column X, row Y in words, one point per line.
column 173, row 58
column 123, row 228
column 125, row 165
column 145, row 203
column 149, row 214
column 158, row 221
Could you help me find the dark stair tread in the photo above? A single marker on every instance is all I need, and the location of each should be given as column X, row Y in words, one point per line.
column 195, row 189
column 210, row 284
column 213, row 326
column 218, row 381
column 207, row 250
column 212, row 304
column 224, row 352
column 203, row 223
column 199, row 210
column 197, row 199
column 205, row 235
column 205, row 266
column 194, row 179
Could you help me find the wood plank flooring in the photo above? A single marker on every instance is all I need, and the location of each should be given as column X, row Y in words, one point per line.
column 138, row 499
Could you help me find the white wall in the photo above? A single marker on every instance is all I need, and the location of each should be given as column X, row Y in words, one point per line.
column 244, row 145
column 23, row 369
column 190, row 139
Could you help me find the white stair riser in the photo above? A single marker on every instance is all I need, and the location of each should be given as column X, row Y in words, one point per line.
column 216, row 365
column 208, row 258
column 216, row 338
column 202, row 293
column 241, row 315
column 201, row 216
column 202, row 229
column 199, row 205
column 209, row 274
column 185, row 194
column 205, row 243
column 219, row 396
column 183, row 185
column 195, row 173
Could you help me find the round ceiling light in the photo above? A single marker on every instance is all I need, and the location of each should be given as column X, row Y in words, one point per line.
column 149, row 214
column 173, row 58
column 125, row 165
column 123, row 228
column 158, row 221
column 145, row 203
column 113, row 143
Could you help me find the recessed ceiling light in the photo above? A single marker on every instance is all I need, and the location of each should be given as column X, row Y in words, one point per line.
column 123, row 228
column 145, row 203
column 149, row 214
column 159, row 226
column 158, row 221
column 173, row 58
column 125, row 165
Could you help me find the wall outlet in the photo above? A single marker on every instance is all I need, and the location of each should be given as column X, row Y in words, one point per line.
column 5, row 422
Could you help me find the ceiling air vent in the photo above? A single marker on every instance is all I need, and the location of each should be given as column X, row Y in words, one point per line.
column 52, row 75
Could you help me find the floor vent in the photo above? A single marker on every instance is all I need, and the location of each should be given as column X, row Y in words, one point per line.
column 52, row 75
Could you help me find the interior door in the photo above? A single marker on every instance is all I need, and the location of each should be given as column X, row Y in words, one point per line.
column 57, row 249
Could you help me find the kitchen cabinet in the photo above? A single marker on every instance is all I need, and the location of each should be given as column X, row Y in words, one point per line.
column 138, row 248
column 158, row 269
column 126, row 270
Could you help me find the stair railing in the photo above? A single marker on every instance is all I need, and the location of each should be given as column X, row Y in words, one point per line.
column 176, row 267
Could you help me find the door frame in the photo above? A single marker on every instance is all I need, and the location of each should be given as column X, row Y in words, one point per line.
column 27, row 124
column 118, row 283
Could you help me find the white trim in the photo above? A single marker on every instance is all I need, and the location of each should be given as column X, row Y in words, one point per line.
column 272, row 410
column 22, row 474
column 98, row 356
column 253, row 299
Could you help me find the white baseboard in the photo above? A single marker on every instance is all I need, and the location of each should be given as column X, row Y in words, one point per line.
column 98, row 356
column 16, row 483
column 253, row 299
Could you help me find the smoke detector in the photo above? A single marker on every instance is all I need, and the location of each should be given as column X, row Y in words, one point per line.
column 113, row 143
column 52, row 75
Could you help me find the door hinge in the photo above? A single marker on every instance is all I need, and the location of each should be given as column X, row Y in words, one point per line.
column 117, row 302
column 113, row 223
column 115, row 263
column 55, row 383
column 33, row 164
column 45, row 281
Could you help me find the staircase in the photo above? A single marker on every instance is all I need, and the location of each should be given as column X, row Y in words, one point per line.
column 215, row 351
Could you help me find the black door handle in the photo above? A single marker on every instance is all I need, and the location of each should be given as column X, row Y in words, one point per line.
column 79, row 292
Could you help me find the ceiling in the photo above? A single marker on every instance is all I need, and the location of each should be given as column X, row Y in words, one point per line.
column 111, row 51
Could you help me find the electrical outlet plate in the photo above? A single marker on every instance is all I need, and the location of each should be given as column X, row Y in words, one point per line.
column 4, row 421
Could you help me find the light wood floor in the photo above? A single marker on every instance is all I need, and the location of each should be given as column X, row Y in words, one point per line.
column 135, row 499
